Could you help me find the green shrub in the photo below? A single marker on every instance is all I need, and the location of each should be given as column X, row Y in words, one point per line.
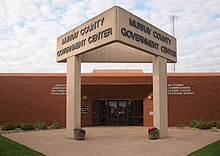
column 204, row 125
column 40, row 125
column 195, row 123
column 180, row 124
column 18, row 125
column 7, row 127
column 212, row 123
column 55, row 125
column 27, row 126
column 218, row 125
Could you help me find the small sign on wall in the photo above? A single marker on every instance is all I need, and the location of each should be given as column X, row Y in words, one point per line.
column 179, row 89
column 58, row 89
column 84, row 110
column 151, row 113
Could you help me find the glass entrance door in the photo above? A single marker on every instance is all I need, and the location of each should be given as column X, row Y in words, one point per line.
column 118, row 112
column 122, row 112
column 113, row 112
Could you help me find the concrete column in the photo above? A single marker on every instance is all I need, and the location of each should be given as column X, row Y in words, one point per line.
column 160, row 118
column 73, row 96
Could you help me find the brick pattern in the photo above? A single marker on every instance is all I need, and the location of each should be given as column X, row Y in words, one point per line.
column 204, row 104
column 148, row 107
column 116, row 80
column 86, row 119
column 116, row 91
column 28, row 98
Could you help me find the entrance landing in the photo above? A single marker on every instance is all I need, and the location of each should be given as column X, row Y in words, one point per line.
column 108, row 141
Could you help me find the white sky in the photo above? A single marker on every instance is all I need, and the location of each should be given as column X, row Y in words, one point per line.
column 29, row 28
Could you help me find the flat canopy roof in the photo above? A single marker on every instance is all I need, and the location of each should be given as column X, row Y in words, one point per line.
column 116, row 35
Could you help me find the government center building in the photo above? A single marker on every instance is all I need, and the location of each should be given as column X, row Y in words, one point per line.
column 112, row 97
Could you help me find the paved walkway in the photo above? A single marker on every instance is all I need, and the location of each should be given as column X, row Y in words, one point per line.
column 115, row 141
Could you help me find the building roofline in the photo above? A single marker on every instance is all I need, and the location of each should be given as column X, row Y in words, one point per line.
column 32, row 74
column 129, row 74
column 195, row 74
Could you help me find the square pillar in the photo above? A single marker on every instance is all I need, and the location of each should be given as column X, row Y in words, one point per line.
column 73, row 95
column 160, row 115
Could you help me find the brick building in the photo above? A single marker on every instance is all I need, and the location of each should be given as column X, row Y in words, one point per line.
column 109, row 97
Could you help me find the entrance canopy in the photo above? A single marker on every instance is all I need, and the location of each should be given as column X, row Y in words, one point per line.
column 116, row 35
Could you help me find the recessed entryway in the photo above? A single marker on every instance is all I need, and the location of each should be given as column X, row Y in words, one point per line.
column 118, row 112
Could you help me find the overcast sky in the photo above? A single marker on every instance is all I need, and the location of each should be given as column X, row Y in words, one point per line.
column 29, row 28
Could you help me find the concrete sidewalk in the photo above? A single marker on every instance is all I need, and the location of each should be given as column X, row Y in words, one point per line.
column 115, row 141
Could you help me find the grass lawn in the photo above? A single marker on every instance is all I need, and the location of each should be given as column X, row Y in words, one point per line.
column 209, row 150
column 12, row 148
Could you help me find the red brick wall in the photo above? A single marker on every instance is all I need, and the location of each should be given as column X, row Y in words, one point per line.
column 148, row 107
column 204, row 104
column 26, row 98
column 86, row 119
column 117, row 91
